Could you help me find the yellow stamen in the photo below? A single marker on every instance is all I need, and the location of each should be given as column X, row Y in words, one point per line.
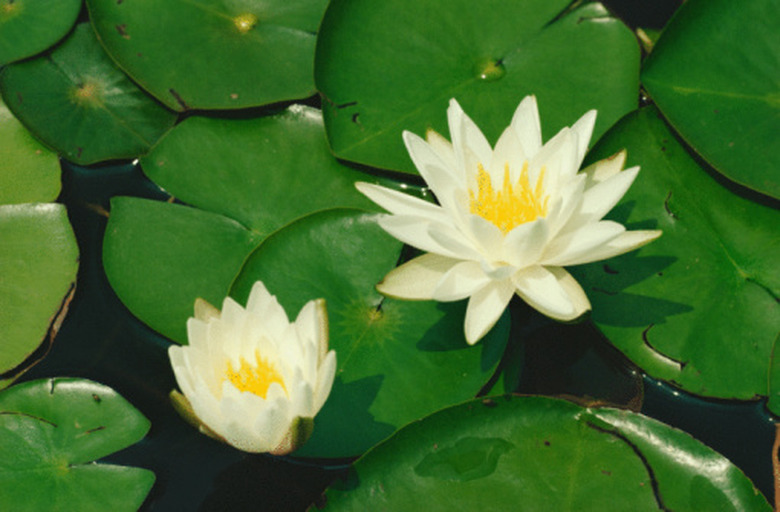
column 511, row 206
column 255, row 378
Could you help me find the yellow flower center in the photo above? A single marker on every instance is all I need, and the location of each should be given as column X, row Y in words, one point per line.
column 255, row 378
column 515, row 204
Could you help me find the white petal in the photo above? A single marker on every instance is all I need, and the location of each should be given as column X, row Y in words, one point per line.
column 571, row 248
column 527, row 126
column 541, row 289
column 205, row 405
column 266, row 307
column 436, row 172
column 399, row 203
column 205, row 311
column 584, row 130
column 312, row 324
column 558, row 157
column 453, row 243
column 303, row 405
column 417, row 278
column 180, row 369
column 562, row 208
column 487, row 237
column 524, row 245
column 470, row 145
column 197, row 333
column 416, row 231
column 442, row 147
column 626, row 242
column 599, row 199
column 460, row 281
column 485, row 308
column 573, row 290
column 604, row 169
column 508, row 151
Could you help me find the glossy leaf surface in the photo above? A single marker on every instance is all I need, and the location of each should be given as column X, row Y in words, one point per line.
column 38, row 263
column 385, row 67
column 160, row 257
column 29, row 172
column 715, row 75
column 540, row 453
column 77, row 101
column 250, row 178
column 213, row 55
column 263, row 172
column 50, row 432
column 28, row 27
column 699, row 306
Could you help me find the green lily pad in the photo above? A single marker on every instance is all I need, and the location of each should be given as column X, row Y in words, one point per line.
column 699, row 306
column 714, row 74
column 159, row 257
column 29, row 27
column 539, row 453
column 29, row 172
column 385, row 67
column 50, row 432
column 397, row 360
column 75, row 100
column 249, row 177
column 38, row 263
column 213, row 55
column 254, row 170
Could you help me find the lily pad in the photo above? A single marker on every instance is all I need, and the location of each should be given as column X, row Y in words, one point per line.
column 397, row 360
column 159, row 257
column 714, row 74
column 38, row 263
column 28, row 27
column 255, row 170
column 77, row 101
column 540, row 453
column 385, row 67
column 213, row 55
column 29, row 172
column 699, row 306
column 50, row 432
column 249, row 177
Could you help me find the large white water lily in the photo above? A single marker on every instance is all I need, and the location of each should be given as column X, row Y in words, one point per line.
column 509, row 218
column 252, row 378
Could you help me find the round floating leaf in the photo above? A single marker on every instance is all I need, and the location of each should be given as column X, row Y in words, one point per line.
column 397, row 360
column 29, row 172
column 159, row 257
column 50, row 432
column 251, row 171
column 699, row 306
column 256, row 170
column 213, row 55
column 38, row 263
column 539, row 453
column 385, row 67
column 77, row 101
column 714, row 74
column 29, row 27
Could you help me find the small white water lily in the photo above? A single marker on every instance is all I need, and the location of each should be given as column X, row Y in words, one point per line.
column 509, row 218
column 252, row 378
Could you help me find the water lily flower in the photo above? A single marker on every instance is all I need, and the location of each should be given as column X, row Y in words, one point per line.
column 250, row 377
column 509, row 217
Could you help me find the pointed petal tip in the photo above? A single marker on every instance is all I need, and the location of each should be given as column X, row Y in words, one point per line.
column 205, row 311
